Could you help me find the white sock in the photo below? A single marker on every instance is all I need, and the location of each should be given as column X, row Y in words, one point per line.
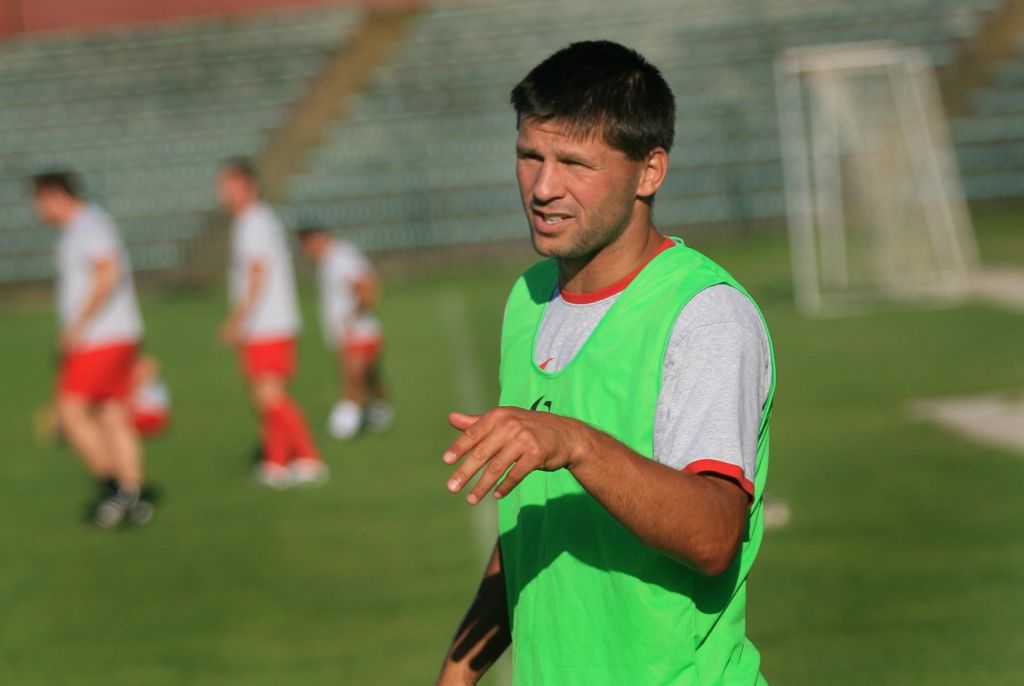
column 345, row 420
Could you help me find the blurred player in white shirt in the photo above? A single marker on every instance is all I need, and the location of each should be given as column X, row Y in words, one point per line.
column 264, row 324
column 100, row 332
column 349, row 291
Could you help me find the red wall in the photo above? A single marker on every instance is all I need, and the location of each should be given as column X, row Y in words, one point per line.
column 33, row 16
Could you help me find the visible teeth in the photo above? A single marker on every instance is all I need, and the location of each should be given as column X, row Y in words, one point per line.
column 553, row 219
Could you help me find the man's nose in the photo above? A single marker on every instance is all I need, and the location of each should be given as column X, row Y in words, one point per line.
column 548, row 185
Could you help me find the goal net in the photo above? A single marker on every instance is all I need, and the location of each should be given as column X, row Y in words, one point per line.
column 873, row 197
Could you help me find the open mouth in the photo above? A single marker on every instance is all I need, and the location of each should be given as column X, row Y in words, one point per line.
column 549, row 222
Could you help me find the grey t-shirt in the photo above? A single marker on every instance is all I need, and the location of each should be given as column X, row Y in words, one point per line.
column 715, row 377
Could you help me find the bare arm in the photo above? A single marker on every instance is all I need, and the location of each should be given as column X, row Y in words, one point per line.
column 255, row 278
column 484, row 633
column 106, row 271
column 699, row 520
column 367, row 292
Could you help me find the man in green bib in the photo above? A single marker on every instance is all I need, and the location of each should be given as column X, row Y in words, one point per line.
column 630, row 449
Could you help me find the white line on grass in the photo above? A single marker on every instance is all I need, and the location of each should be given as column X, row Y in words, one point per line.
column 472, row 398
column 470, row 395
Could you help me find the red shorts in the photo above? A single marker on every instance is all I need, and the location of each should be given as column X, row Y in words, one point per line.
column 273, row 357
column 100, row 373
column 364, row 347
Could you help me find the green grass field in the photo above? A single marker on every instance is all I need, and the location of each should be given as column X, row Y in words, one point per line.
column 904, row 562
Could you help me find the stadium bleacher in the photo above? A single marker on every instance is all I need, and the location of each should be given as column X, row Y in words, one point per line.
column 145, row 115
column 990, row 142
column 433, row 133
column 423, row 156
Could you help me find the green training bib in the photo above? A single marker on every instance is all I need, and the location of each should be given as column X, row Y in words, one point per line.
column 589, row 603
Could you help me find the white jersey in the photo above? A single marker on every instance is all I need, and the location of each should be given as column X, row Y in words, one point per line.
column 87, row 239
column 341, row 267
column 258, row 236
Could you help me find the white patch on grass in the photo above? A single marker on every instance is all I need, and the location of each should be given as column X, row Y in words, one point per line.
column 470, row 395
column 472, row 398
column 995, row 419
column 1000, row 286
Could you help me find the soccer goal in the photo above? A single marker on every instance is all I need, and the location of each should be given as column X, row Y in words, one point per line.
column 873, row 197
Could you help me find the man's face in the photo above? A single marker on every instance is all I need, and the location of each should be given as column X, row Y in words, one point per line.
column 579, row 195
column 312, row 246
column 234, row 190
column 51, row 206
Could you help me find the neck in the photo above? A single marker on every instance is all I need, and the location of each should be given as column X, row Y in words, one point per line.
column 615, row 261
column 321, row 250
column 245, row 205
column 74, row 209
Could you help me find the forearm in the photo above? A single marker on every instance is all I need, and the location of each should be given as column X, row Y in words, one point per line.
column 699, row 520
column 97, row 296
column 102, row 287
column 693, row 518
column 366, row 292
column 483, row 634
column 240, row 312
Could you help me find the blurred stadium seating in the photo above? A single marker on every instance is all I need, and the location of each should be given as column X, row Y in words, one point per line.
column 990, row 141
column 432, row 135
column 422, row 156
column 146, row 115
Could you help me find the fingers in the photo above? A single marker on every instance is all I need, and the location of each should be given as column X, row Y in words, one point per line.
column 515, row 476
column 495, row 445
column 479, row 455
column 472, row 431
column 461, row 420
column 494, row 470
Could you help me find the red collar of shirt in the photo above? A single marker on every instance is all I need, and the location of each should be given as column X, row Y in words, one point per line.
column 615, row 288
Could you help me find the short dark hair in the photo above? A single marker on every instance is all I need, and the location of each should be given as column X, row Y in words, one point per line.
column 601, row 86
column 242, row 166
column 310, row 229
column 57, row 180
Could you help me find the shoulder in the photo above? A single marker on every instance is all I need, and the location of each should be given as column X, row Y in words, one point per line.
column 538, row 281
column 721, row 329
column 348, row 254
column 719, row 325
column 94, row 214
column 346, row 248
column 677, row 275
column 533, row 287
column 539, row 269
column 685, row 260
column 259, row 225
column 334, row 260
column 720, row 304
column 95, row 226
column 95, row 218
column 260, row 218
column 719, row 342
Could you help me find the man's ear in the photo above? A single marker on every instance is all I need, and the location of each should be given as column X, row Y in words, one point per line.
column 653, row 173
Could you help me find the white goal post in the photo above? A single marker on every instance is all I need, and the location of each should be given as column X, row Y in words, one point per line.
column 874, row 202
